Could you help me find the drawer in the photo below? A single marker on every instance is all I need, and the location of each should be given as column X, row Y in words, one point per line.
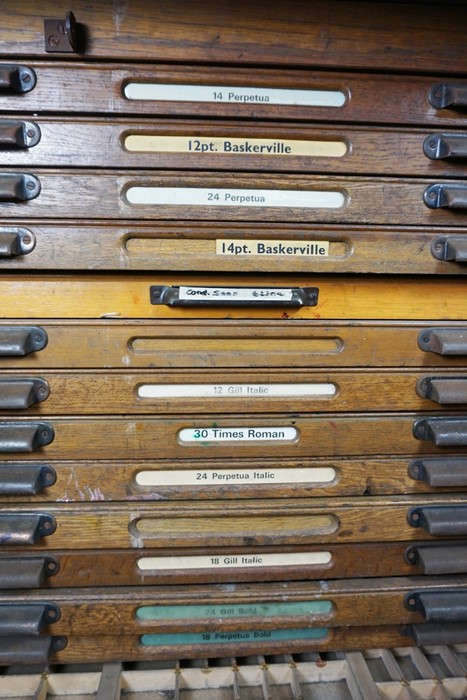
column 239, row 93
column 238, row 524
column 268, row 606
column 231, row 297
column 233, row 247
column 198, row 196
column 263, row 34
column 210, row 344
column 138, row 392
column 210, row 145
column 22, row 569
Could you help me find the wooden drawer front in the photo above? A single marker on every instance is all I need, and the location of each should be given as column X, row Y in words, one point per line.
column 234, row 93
column 250, row 606
column 49, row 481
column 233, row 524
column 29, row 245
column 230, row 146
column 222, row 197
column 204, row 344
column 97, row 392
column 218, row 436
column 261, row 34
column 101, row 296
column 23, row 569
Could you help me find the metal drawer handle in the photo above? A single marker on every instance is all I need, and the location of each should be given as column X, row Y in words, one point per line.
column 17, row 79
column 443, row 432
column 18, row 479
column 440, row 472
column 444, row 341
column 26, row 572
column 443, row 390
column 19, row 134
column 24, row 437
column 445, row 146
column 27, row 618
column 29, row 650
column 445, row 559
column 16, row 241
column 19, row 394
column 293, row 297
column 21, row 340
column 438, row 606
column 444, row 196
column 450, row 248
column 444, row 95
column 440, row 521
column 25, row 528
column 18, row 187
column 433, row 633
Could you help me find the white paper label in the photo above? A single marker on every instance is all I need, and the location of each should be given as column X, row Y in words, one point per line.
column 222, row 391
column 235, row 293
column 213, row 197
column 265, row 248
column 236, row 95
column 221, row 477
column 234, row 561
column 242, row 434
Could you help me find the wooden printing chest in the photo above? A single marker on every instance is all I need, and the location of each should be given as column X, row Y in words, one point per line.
column 233, row 329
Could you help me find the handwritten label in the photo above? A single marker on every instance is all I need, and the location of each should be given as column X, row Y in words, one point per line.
column 189, row 612
column 235, row 293
column 222, row 391
column 265, row 248
column 214, row 197
column 234, row 561
column 257, row 434
column 213, row 477
column 146, row 143
column 233, row 95
column 232, row 637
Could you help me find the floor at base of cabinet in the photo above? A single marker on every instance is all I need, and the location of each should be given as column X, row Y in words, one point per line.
column 437, row 672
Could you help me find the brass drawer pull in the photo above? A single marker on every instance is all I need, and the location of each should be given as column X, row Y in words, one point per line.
column 17, row 79
column 448, row 95
column 445, row 146
column 24, row 437
column 444, row 196
column 441, row 390
column 18, row 187
column 25, row 479
column 443, row 432
column 19, row 134
column 25, row 528
column 444, row 341
column 26, row 572
column 440, row 521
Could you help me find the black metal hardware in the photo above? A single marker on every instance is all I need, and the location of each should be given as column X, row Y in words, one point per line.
column 448, row 95
column 440, row 521
column 443, row 390
column 446, row 196
column 20, row 650
column 27, row 618
column 21, row 393
column 438, row 606
column 16, row 241
column 443, row 432
column 61, row 35
column 432, row 633
column 19, row 134
column 25, row 528
column 438, row 559
column 17, row 79
column 450, row 248
column 24, row 479
column 21, row 340
column 26, row 572
column 440, row 472
column 24, row 437
column 445, row 146
column 293, row 297
column 18, row 187
column 444, row 341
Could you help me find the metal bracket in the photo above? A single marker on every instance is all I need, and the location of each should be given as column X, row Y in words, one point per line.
column 61, row 35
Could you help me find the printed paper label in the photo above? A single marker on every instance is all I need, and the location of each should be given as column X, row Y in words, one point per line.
column 188, row 612
column 212, row 477
column 265, row 248
column 233, row 637
column 257, row 434
column 222, row 391
column 234, row 561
